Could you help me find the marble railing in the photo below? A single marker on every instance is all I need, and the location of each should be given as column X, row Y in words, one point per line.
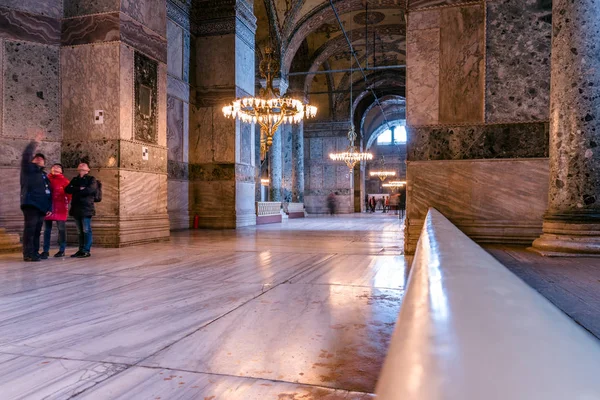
column 469, row 329
column 295, row 207
column 267, row 208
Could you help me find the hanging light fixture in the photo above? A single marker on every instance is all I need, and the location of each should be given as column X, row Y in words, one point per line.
column 352, row 155
column 394, row 184
column 382, row 173
column 270, row 110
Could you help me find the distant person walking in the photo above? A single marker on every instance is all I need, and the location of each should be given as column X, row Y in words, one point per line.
column 331, row 203
column 60, row 211
column 83, row 188
column 36, row 198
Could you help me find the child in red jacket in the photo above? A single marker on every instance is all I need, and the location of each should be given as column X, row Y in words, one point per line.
column 60, row 211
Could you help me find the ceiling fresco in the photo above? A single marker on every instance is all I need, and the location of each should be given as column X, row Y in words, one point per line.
column 376, row 29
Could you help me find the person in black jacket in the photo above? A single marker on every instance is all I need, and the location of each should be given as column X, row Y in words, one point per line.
column 36, row 198
column 83, row 188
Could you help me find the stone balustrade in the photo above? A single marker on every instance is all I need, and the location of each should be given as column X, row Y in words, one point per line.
column 295, row 210
column 268, row 212
column 469, row 329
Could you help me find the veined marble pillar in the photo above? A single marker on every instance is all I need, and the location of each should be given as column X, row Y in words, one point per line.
column 572, row 222
column 286, row 160
column 221, row 153
column 275, row 167
column 298, row 163
column 114, row 107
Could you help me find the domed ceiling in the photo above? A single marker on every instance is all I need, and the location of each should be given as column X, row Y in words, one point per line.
column 309, row 39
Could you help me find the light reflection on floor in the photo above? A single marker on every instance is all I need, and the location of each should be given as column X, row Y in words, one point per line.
column 299, row 310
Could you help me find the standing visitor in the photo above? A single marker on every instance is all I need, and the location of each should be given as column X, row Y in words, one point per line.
column 331, row 203
column 60, row 210
column 83, row 188
column 36, row 198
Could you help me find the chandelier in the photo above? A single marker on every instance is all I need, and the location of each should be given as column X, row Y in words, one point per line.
column 382, row 173
column 352, row 155
column 394, row 184
column 270, row 110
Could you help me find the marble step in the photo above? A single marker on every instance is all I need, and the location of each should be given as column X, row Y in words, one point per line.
column 9, row 242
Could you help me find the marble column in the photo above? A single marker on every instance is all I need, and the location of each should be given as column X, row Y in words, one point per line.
column 298, row 163
column 275, row 167
column 572, row 221
column 221, row 151
column 114, row 112
column 286, row 160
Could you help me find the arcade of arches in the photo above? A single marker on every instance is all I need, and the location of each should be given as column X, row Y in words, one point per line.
column 486, row 116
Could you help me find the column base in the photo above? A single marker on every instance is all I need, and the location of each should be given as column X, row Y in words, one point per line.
column 9, row 242
column 563, row 238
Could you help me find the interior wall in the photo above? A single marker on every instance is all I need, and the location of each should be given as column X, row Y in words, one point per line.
column 30, row 93
column 324, row 176
column 471, row 96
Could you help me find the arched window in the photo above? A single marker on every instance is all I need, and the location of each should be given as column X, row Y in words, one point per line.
column 395, row 135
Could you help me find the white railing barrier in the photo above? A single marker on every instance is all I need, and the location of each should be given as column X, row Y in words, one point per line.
column 469, row 329
column 267, row 208
column 295, row 207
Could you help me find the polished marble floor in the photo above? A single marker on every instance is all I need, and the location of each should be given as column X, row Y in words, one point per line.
column 299, row 310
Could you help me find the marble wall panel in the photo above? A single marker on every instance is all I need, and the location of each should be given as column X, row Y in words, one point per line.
column 31, row 91
column 306, row 145
column 214, row 203
column 49, row 8
column 420, row 4
column 245, row 209
column 90, row 81
column 490, row 200
column 145, row 126
column 186, row 132
column 131, row 157
column 1, row 84
column 142, row 193
column 18, row 25
column 143, row 39
column 126, row 91
column 462, row 64
column 186, row 56
column 329, row 176
column 11, row 217
column 343, row 177
column 211, row 51
column 178, row 204
column 75, row 8
column 329, row 146
column 99, row 153
column 479, row 141
column 519, row 35
column 316, row 148
column 151, row 13
column 200, row 148
column 175, row 128
column 245, row 144
column 177, row 88
column 177, row 170
column 175, row 49
column 424, row 20
column 223, row 136
column 307, row 177
column 91, row 29
column 212, row 172
column 422, row 80
column 244, row 66
column 11, row 150
column 316, row 176
column 162, row 104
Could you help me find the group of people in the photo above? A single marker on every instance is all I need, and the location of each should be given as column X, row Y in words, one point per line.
column 48, row 198
column 385, row 203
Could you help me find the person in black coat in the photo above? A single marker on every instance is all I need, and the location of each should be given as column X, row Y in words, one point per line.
column 36, row 198
column 83, row 188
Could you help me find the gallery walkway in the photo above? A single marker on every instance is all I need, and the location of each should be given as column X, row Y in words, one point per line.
column 300, row 310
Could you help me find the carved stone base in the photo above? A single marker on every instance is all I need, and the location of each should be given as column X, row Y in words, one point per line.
column 569, row 239
column 9, row 242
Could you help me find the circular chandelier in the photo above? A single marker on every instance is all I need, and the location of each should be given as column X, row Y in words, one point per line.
column 352, row 155
column 394, row 184
column 270, row 110
column 382, row 174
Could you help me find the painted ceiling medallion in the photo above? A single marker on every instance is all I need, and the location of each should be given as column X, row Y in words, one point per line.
column 270, row 110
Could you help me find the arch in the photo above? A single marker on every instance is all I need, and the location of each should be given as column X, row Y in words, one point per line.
column 382, row 128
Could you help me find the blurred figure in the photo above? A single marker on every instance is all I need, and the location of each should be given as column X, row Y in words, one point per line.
column 331, row 203
column 386, row 203
column 83, row 188
column 36, row 198
column 60, row 211
column 372, row 203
